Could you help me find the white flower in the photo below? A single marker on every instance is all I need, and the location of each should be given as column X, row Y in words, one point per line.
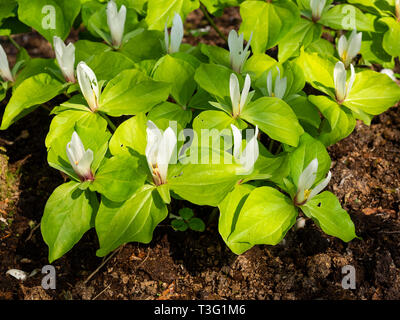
column 280, row 85
column 306, row 181
column 88, row 83
column 237, row 54
column 176, row 35
column 65, row 56
column 5, row 72
column 317, row 8
column 398, row 9
column 342, row 87
column 239, row 100
column 80, row 159
column 159, row 149
column 348, row 49
column 389, row 73
column 116, row 22
column 250, row 154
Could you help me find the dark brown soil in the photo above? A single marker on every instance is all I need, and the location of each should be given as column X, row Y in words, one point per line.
column 192, row 265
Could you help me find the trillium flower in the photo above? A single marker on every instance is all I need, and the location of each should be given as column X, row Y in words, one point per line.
column 88, row 83
column 389, row 73
column 5, row 72
column 342, row 87
column 239, row 101
column 348, row 49
column 176, row 35
column 317, row 8
column 280, row 85
column 237, row 54
column 116, row 22
column 250, row 154
column 65, row 56
column 306, row 181
column 159, row 149
column 80, row 159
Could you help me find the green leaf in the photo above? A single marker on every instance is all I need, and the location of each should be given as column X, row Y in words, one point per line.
column 85, row 49
column 274, row 117
column 150, row 45
column 391, row 39
column 180, row 74
column 257, row 64
column 170, row 111
column 132, row 92
column 7, row 8
column 179, row 225
column 67, row 216
column 304, row 110
column 216, row 54
column 373, row 93
column 36, row 66
column 338, row 122
column 303, row 33
column 109, row 64
column 309, row 149
column 347, row 17
column 130, row 134
column 161, row 11
column 372, row 48
column 326, row 211
column 196, row 224
column 265, row 218
column 29, row 94
column 49, row 17
column 131, row 221
column 322, row 46
column 269, row 22
column 119, row 177
column 186, row 213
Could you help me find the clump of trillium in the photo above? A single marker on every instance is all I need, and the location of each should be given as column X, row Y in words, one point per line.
column 305, row 192
column 237, row 54
column 159, row 149
column 349, row 48
column 89, row 86
column 238, row 100
column 5, row 71
column 80, row 159
column 65, row 55
column 279, row 89
column 342, row 86
column 173, row 41
column 248, row 157
column 116, row 22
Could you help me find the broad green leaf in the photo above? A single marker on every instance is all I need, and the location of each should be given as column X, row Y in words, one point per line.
column 269, row 21
column 309, row 149
column 216, row 54
column 326, row 211
column 109, row 64
column 372, row 48
column 29, row 94
column 304, row 110
column 119, row 177
column 302, row 33
column 85, row 49
column 132, row 92
column 372, row 93
column 49, row 17
column 131, row 221
column 274, row 117
column 68, row 214
column 170, row 111
column 36, row 66
column 347, row 17
column 160, row 12
column 264, row 218
column 338, row 122
column 130, row 134
column 150, row 45
column 179, row 74
column 197, row 224
column 322, row 46
column 391, row 39
column 257, row 64
column 7, row 8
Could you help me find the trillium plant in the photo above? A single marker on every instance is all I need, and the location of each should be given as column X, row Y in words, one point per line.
column 142, row 123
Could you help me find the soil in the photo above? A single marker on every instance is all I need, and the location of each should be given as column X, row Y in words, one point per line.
column 192, row 265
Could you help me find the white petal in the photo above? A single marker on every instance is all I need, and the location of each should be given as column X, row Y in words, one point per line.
column 280, row 87
column 85, row 163
column 307, row 177
column 351, row 81
column 339, row 76
column 77, row 146
column 166, row 37
column 237, row 141
column 154, row 137
column 235, row 93
column 354, row 45
column 389, row 73
column 176, row 33
column 342, row 46
column 165, row 150
column 18, row 274
column 269, row 83
column 116, row 22
column 251, row 152
column 5, row 72
column 321, row 186
column 245, row 92
column 88, row 84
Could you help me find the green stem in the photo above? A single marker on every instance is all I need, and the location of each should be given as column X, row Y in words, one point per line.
column 211, row 21
column 112, row 125
column 14, row 43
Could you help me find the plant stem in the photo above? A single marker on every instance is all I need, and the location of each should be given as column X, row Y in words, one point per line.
column 112, row 125
column 14, row 43
column 212, row 23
